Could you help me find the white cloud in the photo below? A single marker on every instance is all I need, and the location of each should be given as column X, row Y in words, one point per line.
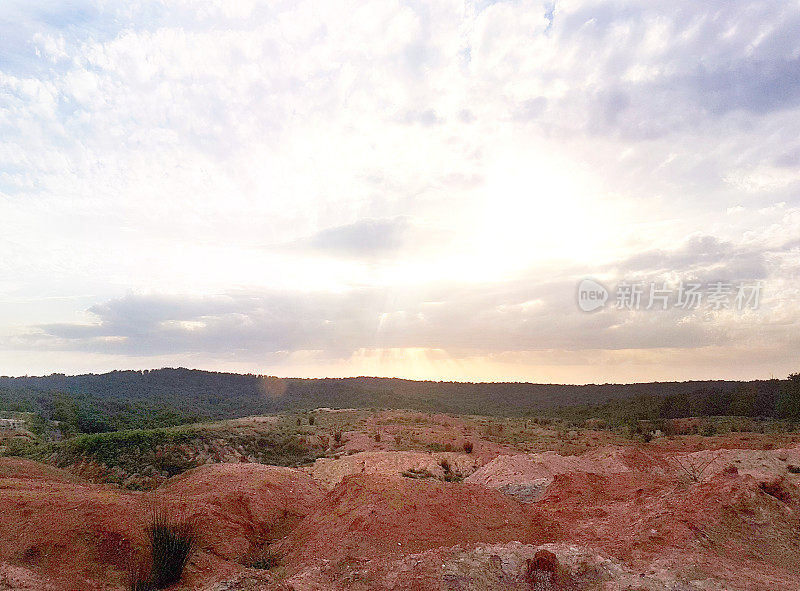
column 177, row 149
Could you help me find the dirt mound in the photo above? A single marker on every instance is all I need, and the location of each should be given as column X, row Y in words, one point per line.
column 329, row 472
column 241, row 507
column 639, row 518
column 71, row 533
column 81, row 536
column 532, row 470
column 759, row 463
column 27, row 470
column 504, row 567
column 369, row 516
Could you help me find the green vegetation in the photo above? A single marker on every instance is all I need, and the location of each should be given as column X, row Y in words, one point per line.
column 766, row 400
column 171, row 451
column 267, row 561
column 172, row 541
column 789, row 398
column 449, row 474
column 166, row 397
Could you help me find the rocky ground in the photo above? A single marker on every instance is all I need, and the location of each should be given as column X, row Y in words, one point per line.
column 400, row 504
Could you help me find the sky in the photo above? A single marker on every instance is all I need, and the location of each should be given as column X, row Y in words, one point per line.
column 412, row 189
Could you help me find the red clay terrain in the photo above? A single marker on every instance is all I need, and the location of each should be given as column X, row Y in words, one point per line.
column 671, row 515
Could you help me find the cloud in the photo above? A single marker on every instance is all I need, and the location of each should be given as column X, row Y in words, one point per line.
column 527, row 313
column 364, row 238
column 423, row 165
column 703, row 258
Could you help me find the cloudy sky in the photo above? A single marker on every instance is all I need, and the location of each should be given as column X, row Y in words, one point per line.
column 398, row 188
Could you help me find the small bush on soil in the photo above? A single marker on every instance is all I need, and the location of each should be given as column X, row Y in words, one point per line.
column 708, row 430
column 449, row 475
column 267, row 561
column 172, row 541
column 793, row 469
column 173, row 544
column 468, row 447
column 694, row 468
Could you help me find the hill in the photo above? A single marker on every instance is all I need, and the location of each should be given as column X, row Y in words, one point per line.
column 164, row 397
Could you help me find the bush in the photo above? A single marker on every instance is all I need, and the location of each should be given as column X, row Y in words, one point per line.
column 172, row 540
column 267, row 561
column 468, row 447
column 19, row 446
column 708, row 430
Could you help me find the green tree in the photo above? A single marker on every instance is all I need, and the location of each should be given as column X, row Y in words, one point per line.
column 789, row 398
column 743, row 401
column 65, row 411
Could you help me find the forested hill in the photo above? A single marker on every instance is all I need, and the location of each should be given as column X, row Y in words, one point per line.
column 193, row 393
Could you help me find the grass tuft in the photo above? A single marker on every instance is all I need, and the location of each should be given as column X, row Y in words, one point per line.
column 172, row 539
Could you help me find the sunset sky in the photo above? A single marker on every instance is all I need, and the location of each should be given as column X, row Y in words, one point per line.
column 408, row 189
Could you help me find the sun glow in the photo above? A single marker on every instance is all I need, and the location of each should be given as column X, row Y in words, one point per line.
column 538, row 208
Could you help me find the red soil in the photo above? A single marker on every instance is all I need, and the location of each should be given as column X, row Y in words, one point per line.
column 368, row 516
column 628, row 503
column 82, row 536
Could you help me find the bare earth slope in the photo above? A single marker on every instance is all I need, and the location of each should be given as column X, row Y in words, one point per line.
column 617, row 517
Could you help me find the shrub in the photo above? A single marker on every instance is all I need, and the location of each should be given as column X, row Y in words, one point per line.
column 793, row 469
column 708, row 430
column 449, row 475
column 468, row 447
column 311, row 420
column 337, row 437
column 139, row 578
column 267, row 561
column 172, row 540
